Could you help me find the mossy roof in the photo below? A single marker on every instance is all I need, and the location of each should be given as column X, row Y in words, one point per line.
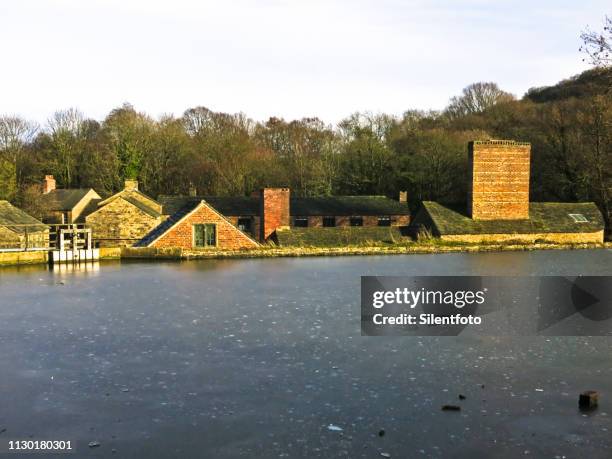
column 338, row 236
column 140, row 205
column 544, row 217
column 11, row 216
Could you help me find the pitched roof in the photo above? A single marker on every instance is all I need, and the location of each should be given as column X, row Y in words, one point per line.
column 11, row 215
column 63, row 199
column 330, row 206
column 137, row 198
column 544, row 217
column 142, row 206
column 127, row 192
column 164, row 226
column 161, row 229
column 226, row 205
column 347, row 206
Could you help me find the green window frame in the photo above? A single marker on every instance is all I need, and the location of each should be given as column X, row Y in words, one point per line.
column 205, row 235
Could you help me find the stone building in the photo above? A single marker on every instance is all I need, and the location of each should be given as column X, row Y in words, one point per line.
column 498, row 207
column 18, row 230
column 124, row 218
column 260, row 215
column 67, row 205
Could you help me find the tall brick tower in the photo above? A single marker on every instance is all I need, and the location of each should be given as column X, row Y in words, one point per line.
column 274, row 211
column 498, row 180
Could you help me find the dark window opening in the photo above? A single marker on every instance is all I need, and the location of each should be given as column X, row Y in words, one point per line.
column 205, row 235
column 356, row 221
column 384, row 221
column 245, row 224
column 329, row 222
column 300, row 222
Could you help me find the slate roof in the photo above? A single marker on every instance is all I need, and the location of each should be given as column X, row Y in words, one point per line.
column 11, row 215
column 347, row 206
column 324, row 206
column 63, row 199
column 225, row 205
column 544, row 217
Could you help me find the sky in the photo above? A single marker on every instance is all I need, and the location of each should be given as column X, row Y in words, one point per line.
column 284, row 58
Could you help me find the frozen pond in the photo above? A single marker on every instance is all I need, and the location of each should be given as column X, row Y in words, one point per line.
column 256, row 358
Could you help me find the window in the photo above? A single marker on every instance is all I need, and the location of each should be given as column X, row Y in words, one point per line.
column 65, row 217
column 300, row 222
column 244, row 224
column 329, row 222
column 384, row 221
column 205, row 235
column 579, row 218
column 356, row 221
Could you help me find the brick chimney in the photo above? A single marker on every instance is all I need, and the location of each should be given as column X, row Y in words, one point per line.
column 274, row 211
column 131, row 185
column 498, row 180
column 48, row 184
column 403, row 197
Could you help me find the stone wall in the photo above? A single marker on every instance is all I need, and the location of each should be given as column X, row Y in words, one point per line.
column 498, row 180
column 23, row 258
column 556, row 238
column 228, row 236
column 120, row 224
column 274, row 211
column 12, row 240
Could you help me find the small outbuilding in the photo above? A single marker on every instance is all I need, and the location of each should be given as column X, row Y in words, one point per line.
column 498, row 207
column 197, row 226
column 124, row 218
column 19, row 230
column 66, row 205
column 556, row 222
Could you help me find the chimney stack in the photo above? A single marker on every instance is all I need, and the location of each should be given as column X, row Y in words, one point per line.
column 48, row 184
column 274, row 211
column 498, row 180
column 131, row 185
column 403, row 197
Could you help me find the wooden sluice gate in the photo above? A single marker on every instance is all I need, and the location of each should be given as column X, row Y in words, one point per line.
column 73, row 245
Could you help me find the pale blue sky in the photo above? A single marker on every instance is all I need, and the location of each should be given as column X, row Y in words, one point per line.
column 280, row 57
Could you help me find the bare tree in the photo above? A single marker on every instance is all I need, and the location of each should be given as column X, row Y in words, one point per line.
column 15, row 134
column 476, row 98
column 598, row 45
column 66, row 121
